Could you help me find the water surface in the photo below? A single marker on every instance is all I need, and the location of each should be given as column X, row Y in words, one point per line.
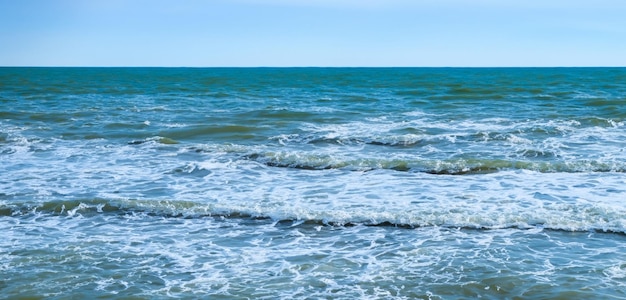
column 434, row 183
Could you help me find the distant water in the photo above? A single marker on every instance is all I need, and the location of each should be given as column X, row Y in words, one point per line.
column 345, row 183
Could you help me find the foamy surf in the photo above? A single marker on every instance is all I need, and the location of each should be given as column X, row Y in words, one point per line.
column 312, row 183
column 581, row 216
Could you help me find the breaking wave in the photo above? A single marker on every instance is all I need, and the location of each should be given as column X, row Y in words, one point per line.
column 573, row 217
column 460, row 166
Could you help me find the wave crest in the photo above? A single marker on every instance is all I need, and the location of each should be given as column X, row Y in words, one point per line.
column 460, row 166
column 567, row 217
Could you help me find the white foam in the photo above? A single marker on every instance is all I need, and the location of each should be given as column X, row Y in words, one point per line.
column 234, row 182
column 504, row 200
column 175, row 125
column 416, row 113
column 617, row 272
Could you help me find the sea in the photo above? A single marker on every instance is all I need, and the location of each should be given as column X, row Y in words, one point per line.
column 312, row 183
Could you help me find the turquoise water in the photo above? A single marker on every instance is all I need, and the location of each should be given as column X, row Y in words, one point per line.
column 401, row 183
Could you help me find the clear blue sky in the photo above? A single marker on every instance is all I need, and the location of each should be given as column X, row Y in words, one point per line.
column 312, row 33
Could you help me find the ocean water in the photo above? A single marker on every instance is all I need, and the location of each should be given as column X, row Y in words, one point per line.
column 342, row 183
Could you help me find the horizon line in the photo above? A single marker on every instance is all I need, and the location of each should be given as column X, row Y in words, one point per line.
column 311, row 67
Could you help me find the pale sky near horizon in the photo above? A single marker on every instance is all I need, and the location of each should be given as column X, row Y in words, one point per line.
column 215, row 33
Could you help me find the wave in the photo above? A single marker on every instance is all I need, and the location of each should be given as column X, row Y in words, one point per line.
column 496, row 136
column 208, row 130
column 401, row 141
column 574, row 217
column 460, row 166
column 154, row 139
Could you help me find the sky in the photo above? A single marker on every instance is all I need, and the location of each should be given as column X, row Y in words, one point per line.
column 334, row 33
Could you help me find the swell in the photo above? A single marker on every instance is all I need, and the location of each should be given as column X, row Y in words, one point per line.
column 567, row 218
column 203, row 131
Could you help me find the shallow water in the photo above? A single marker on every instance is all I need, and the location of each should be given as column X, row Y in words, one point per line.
column 321, row 183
